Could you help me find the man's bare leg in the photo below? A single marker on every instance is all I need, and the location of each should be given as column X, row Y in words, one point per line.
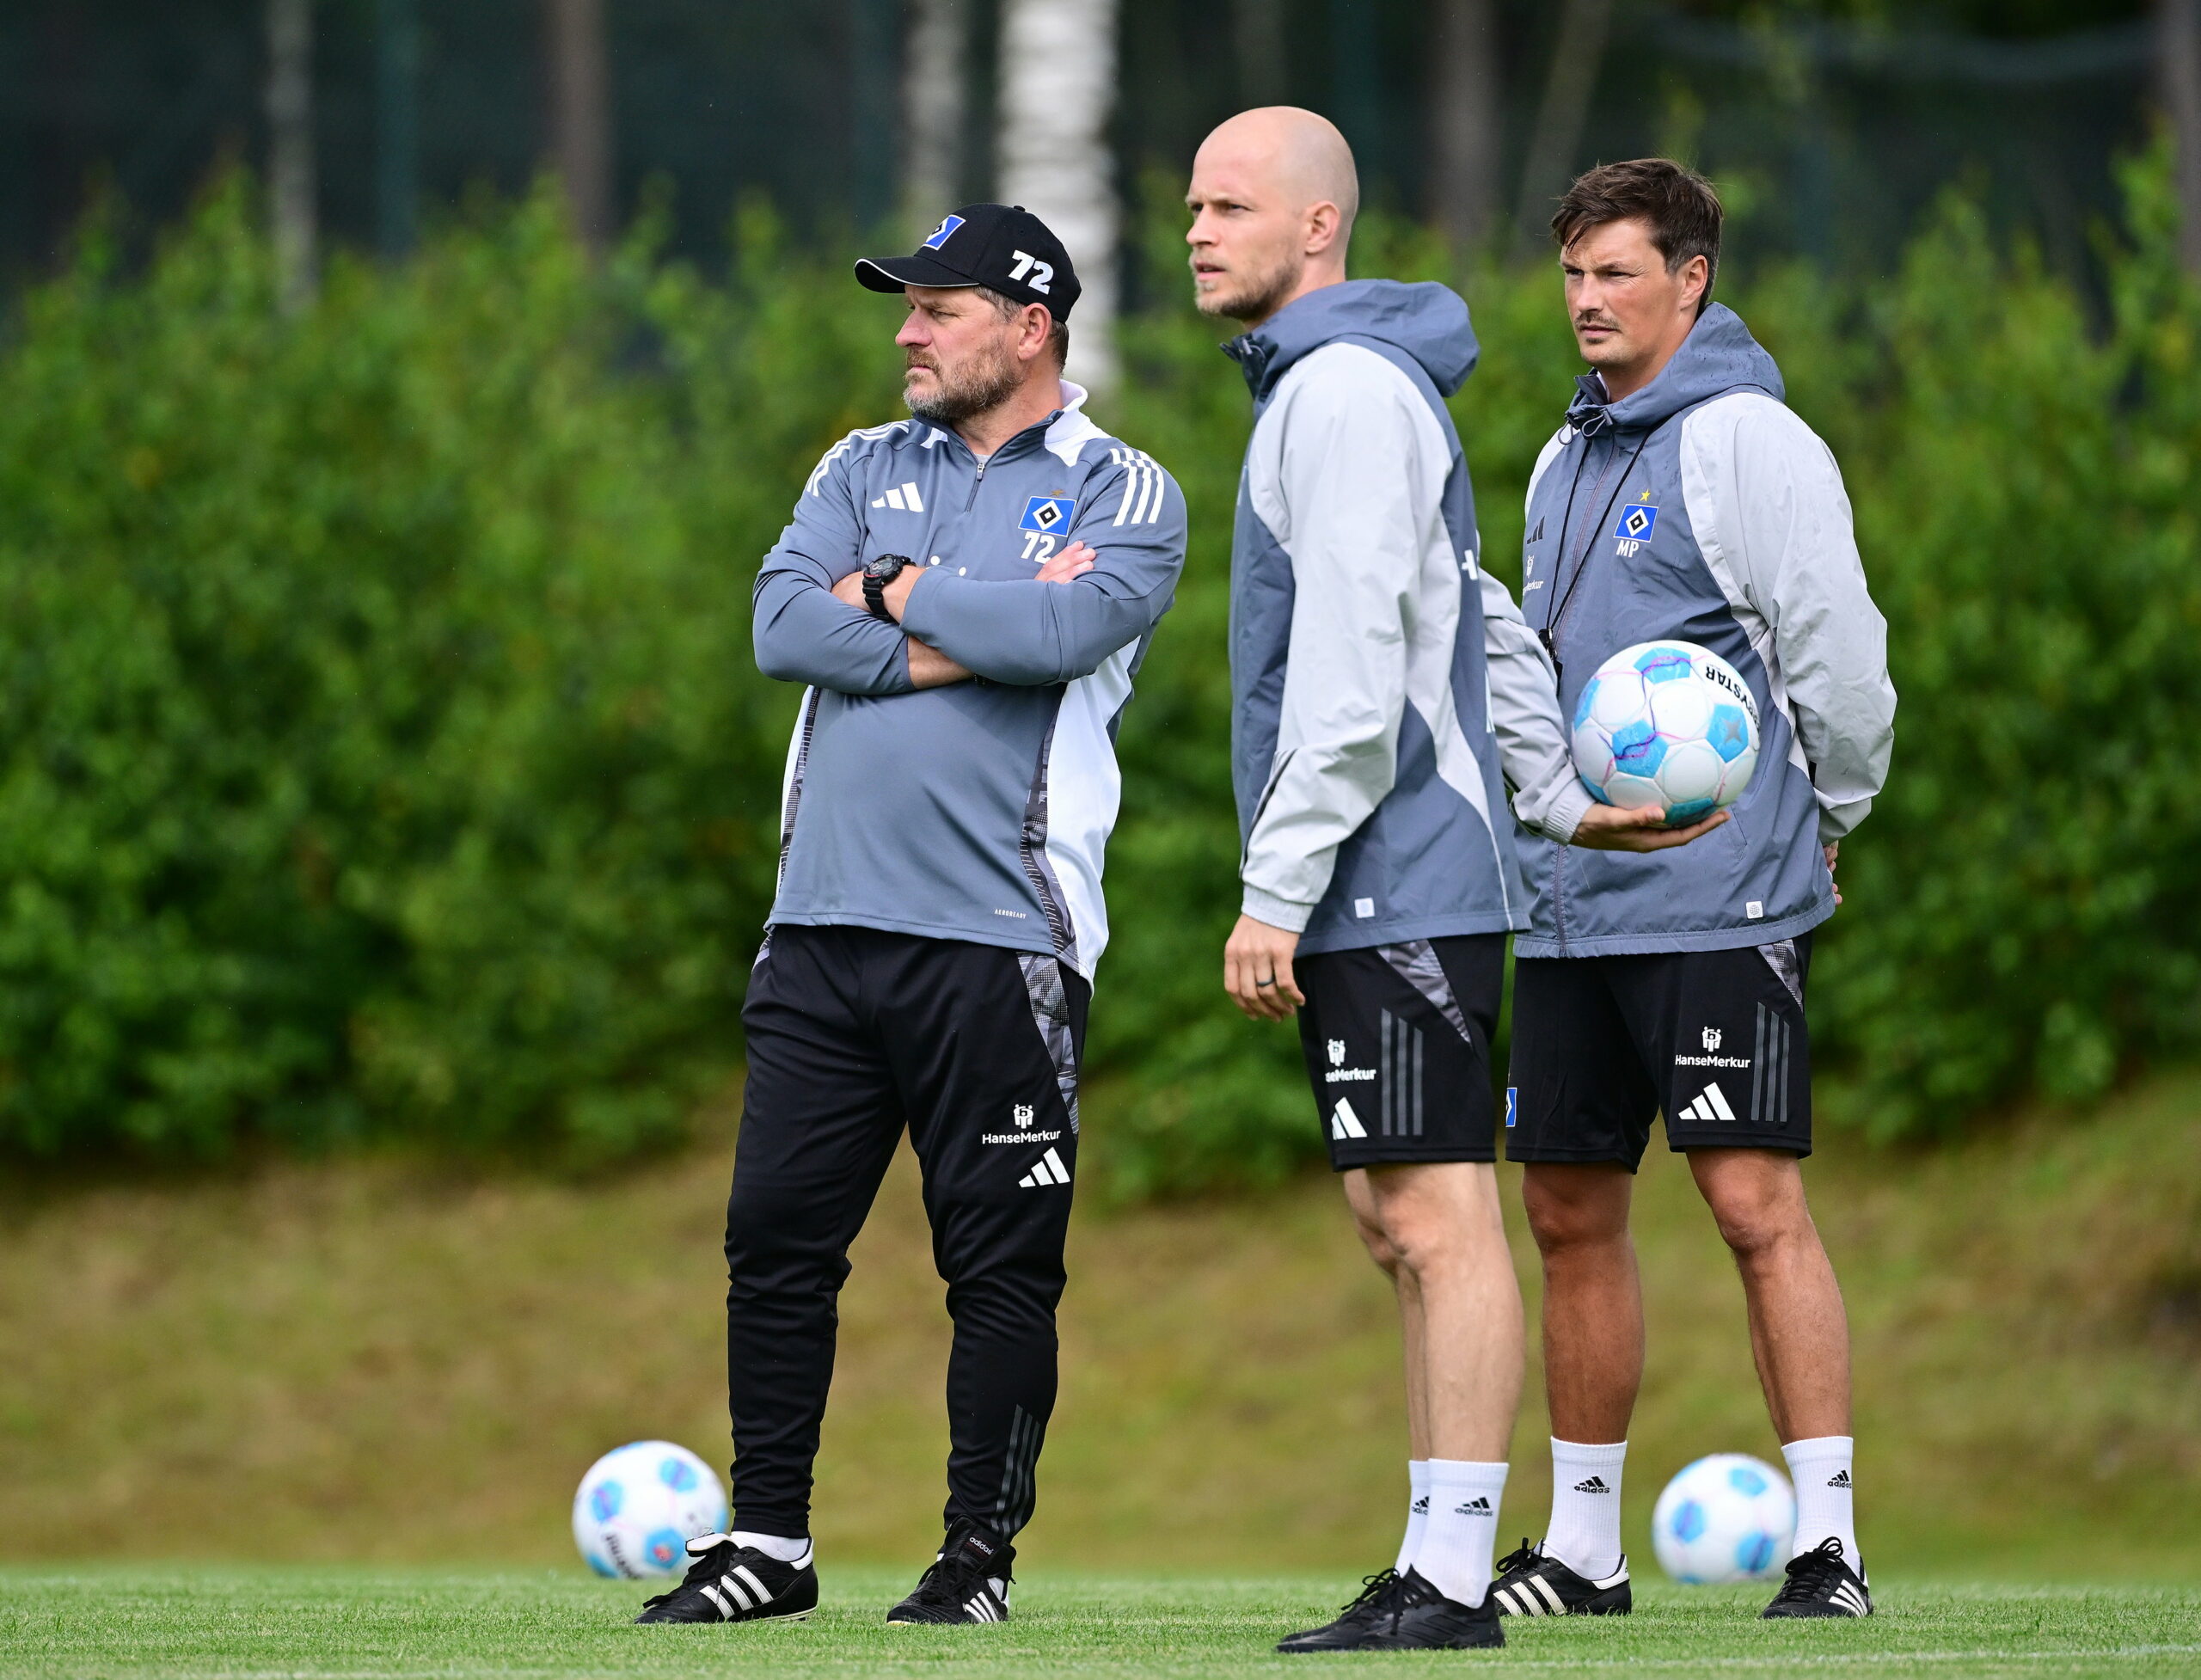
column 1593, row 1352
column 1593, row 1300
column 1438, row 1232
column 1800, row 1332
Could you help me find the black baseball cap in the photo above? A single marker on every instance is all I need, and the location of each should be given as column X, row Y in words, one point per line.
column 1003, row 246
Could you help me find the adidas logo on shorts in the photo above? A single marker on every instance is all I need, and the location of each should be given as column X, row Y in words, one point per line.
column 1050, row 1172
column 1711, row 1105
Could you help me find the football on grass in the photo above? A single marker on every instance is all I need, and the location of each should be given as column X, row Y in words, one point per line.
column 1728, row 1518
column 1668, row 724
column 640, row 1504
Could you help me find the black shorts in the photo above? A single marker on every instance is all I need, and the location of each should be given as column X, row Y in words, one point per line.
column 1397, row 1039
column 1716, row 1040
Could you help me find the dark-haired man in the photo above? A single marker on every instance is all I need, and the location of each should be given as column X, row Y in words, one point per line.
column 1682, row 498
column 967, row 594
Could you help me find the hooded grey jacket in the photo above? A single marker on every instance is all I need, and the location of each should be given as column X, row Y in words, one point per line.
column 1385, row 688
column 1701, row 507
column 980, row 810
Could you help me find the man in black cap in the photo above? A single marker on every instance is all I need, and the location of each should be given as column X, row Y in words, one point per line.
column 967, row 594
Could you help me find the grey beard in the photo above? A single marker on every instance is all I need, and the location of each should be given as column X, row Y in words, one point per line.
column 969, row 393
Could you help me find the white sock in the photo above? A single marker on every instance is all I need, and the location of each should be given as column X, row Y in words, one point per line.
column 1585, row 1531
column 1417, row 1512
column 1820, row 1469
column 777, row 1546
column 1460, row 1537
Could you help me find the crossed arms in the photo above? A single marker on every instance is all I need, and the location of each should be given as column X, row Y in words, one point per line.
column 810, row 624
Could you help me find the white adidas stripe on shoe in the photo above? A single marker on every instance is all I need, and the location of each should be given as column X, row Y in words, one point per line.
column 1531, row 1584
column 727, row 1583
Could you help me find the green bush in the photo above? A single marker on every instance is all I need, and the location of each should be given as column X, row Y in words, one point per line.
column 378, row 755
column 383, row 756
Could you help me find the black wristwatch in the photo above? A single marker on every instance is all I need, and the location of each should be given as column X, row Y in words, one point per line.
column 877, row 574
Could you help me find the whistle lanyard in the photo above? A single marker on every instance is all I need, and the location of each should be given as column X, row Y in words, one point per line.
column 1549, row 634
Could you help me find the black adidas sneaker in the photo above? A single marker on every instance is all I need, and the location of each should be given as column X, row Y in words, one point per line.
column 731, row 1583
column 968, row 1582
column 1530, row 1584
column 1821, row 1583
column 1344, row 1633
column 1414, row 1615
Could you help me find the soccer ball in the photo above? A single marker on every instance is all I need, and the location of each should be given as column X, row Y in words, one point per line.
column 1728, row 1518
column 640, row 1504
column 1668, row 724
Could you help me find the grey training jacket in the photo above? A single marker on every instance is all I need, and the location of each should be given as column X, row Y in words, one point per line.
column 980, row 810
column 1385, row 688
column 1701, row 507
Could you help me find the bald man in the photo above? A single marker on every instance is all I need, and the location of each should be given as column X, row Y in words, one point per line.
column 1386, row 696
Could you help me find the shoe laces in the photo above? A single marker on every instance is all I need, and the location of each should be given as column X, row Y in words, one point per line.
column 1523, row 1556
column 712, row 1560
column 1814, row 1574
column 1373, row 1588
column 957, row 1573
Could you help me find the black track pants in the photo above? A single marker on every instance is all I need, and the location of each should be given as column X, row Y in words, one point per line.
column 854, row 1035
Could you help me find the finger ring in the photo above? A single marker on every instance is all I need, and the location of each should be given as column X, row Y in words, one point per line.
column 1269, row 982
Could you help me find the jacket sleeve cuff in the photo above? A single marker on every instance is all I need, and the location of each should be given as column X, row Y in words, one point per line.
column 1276, row 912
column 1835, row 821
column 1563, row 815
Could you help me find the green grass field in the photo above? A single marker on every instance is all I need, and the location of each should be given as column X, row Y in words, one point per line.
column 360, row 1625
column 399, row 1363
column 297, row 1415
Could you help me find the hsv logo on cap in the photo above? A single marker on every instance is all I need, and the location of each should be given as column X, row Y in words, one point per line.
column 1001, row 246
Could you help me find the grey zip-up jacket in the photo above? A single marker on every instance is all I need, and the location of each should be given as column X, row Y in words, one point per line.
column 1701, row 507
column 980, row 811
column 1386, row 691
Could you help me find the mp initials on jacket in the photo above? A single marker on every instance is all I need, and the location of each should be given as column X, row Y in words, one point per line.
column 1701, row 508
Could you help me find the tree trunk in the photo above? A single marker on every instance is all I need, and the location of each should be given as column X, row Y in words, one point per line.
column 580, row 115
column 1057, row 86
column 291, row 183
column 935, row 105
column 397, row 125
column 2179, row 46
column 1257, row 30
column 1464, row 186
column 1583, row 26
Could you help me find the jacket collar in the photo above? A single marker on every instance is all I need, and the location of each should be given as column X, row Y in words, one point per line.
column 1423, row 321
column 1066, row 431
column 1719, row 355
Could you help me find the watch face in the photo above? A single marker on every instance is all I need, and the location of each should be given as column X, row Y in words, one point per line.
column 886, row 567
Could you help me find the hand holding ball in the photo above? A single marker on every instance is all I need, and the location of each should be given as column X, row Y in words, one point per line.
column 1667, row 724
